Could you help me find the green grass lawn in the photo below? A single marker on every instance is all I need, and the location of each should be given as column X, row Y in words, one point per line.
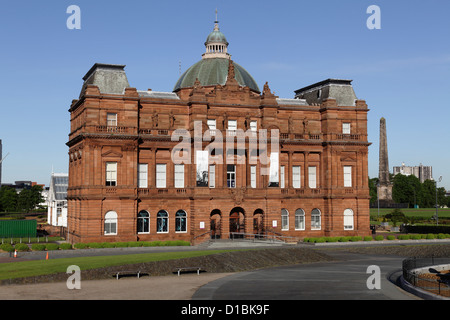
column 411, row 212
column 42, row 267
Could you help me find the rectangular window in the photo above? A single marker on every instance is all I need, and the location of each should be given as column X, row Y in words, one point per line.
column 179, row 175
column 211, row 124
column 312, row 177
column 282, row 177
column 111, row 174
column 231, row 176
column 202, row 168
column 296, row 177
column 212, row 176
column 143, row 175
column 160, row 175
column 253, row 125
column 111, row 119
column 346, row 128
column 347, row 176
column 274, row 180
column 253, row 176
column 232, row 125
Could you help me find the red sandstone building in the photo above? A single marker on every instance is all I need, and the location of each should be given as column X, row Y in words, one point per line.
column 124, row 184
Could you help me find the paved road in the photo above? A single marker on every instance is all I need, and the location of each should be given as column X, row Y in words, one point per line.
column 342, row 280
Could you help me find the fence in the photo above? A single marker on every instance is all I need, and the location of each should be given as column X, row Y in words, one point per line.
column 422, row 273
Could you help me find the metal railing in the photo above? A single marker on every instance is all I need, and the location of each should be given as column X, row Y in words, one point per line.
column 421, row 273
column 259, row 236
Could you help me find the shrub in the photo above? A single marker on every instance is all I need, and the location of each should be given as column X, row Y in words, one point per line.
column 379, row 238
column 441, row 236
column 416, row 236
column 108, row 245
column 80, row 245
column 356, row 238
column 94, row 245
column 65, row 246
column 368, row 238
column 390, row 237
column 51, row 246
column 121, row 244
column 21, row 247
column 332, row 239
column 135, row 244
column 6, row 247
column 344, row 239
column 403, row 237
column 431, row 236
column 38, row 247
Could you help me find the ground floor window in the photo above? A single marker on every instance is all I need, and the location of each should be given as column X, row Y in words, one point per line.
column 162, row 222
column 143, row 222
column 315, row 220
column 110, row 223
column 180, row 221
column 284, row 219
column 348, row 219
column 299, row 219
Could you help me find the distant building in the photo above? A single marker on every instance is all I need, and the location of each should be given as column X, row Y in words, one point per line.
column 57, row 200
column 421, row 172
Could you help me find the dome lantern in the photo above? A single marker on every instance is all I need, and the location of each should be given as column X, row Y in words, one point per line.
column 216, row 44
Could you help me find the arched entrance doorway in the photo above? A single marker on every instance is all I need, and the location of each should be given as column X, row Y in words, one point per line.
column 237, row 222
column 215, row 224
column 258, row 222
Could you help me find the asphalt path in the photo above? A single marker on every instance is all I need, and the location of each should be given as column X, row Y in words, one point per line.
column 345, row 279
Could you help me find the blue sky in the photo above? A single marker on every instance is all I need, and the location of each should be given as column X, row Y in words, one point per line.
column 402, row 70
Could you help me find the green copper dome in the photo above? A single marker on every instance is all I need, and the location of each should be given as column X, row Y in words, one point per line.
column 214, row 71
column 216, row 36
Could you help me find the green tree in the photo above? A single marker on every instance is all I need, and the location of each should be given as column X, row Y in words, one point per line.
column 29, row 199
column 8, row 199
column 406, row 189
column 373, row 189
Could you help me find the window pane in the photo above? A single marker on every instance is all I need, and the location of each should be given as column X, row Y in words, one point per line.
column 347, row 176
column 282, row 177
column 179, row 176
column 253, row 176
column 273, row 170
column 346, row 128
column 142, row 176
column 212, row 176
column 160, row 175
column 202, row 168
column 296, row 176
column 312, row 177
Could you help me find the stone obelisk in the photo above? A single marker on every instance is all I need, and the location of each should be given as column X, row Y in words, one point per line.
column 384, row 188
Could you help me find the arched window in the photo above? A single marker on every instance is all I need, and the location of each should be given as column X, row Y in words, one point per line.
column 143, row 222
column 110, row 223
column 299, row 219
column 180, row 221
column 162, row 222
column 315, row 219
column 348, row 219
column 284, row 219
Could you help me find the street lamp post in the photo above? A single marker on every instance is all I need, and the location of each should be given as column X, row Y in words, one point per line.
column 437, row 219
